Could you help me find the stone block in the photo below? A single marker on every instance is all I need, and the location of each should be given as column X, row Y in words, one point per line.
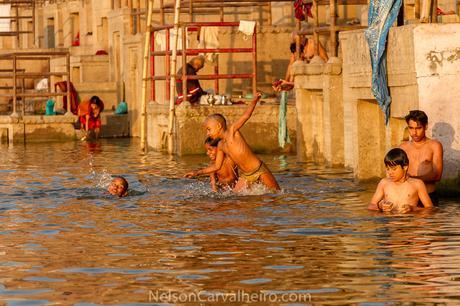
column 115, row 125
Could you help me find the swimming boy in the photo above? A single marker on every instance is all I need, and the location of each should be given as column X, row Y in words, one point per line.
column 225, row 178
column 251, row 168
column 398, row 192
column 118, row 187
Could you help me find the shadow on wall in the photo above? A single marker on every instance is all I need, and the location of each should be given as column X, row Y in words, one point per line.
column 445, row 133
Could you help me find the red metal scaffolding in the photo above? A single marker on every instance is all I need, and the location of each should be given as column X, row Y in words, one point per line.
column 216, row 76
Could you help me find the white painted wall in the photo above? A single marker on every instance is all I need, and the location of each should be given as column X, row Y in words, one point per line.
column 437, row 62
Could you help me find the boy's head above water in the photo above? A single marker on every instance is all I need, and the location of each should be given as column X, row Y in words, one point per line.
column 211, row 147
column 396, row 163
column 118, row 186
column 215, row 125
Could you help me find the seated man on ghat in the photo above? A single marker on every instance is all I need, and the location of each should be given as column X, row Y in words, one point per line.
column 194, row 90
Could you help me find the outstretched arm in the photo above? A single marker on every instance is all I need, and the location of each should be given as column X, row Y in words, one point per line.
column 212, row 177
column 247, row 114
column 377, row 197
column 87, row 123
column 211, row 169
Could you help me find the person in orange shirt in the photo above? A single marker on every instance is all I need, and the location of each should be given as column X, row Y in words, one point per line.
column 89, row 113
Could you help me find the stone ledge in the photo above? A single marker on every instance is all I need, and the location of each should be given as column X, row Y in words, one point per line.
column 333, row 69
column 313, row 82
column 302, row 68
column 49, row 119
column 38, row 119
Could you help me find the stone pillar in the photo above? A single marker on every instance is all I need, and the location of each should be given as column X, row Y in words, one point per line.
column 333, row 112
column 308, row 79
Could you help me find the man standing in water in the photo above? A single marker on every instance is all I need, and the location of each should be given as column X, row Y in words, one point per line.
column 425, row 154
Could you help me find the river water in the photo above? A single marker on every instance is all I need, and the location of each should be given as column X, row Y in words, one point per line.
column 64, row 240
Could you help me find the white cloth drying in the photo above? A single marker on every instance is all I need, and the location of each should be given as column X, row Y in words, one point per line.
column 160, row 39
column 247, row 27
column 209, row 39
column 42, row 84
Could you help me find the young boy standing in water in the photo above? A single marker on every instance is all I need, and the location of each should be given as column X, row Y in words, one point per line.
column 398, row 192
column 251, row 168
column 226, row 177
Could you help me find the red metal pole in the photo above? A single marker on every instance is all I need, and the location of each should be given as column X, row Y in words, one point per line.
column 254, row 62
column 184, row 63
column 168, row 65
column 69, row 109
column 152, row 67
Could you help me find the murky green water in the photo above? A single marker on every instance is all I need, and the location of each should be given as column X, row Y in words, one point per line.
column 64, row 240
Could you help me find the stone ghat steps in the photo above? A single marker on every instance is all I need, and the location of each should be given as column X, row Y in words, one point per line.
column 40, row 128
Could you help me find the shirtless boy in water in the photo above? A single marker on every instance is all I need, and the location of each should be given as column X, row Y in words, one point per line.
column 226, row 177
column 398, row 192
column 425, row 154
column 251, row 169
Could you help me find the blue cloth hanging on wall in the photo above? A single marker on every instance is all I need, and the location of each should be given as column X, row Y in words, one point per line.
column 382, row 14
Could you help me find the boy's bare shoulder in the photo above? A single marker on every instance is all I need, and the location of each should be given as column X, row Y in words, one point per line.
column 404, row 144
column 384, row 182
column 418, row 183
column 433, row 143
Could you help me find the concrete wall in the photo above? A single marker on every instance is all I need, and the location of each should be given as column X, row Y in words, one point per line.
column 261, row 131
column 319, row 107
column 437, row 60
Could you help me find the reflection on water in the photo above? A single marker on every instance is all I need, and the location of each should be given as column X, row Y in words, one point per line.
column 64, row 239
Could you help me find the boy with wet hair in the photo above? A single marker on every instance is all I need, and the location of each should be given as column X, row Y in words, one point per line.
column 417, row 116
column 225, row 178
column 398, row 192
column 118, row 187
column 251, row 168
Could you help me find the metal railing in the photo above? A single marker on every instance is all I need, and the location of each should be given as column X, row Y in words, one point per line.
column 193, row 8
column 18, row 75
column 17, row 8
column 183, row 53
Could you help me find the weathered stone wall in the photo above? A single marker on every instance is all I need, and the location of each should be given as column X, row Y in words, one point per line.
column 320, row 111
column 38, row 128
column 437, row 61
column 261, row 131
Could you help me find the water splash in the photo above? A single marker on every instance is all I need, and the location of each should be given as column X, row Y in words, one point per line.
column 255, row 189
column 101, row 179
column 104, row 179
